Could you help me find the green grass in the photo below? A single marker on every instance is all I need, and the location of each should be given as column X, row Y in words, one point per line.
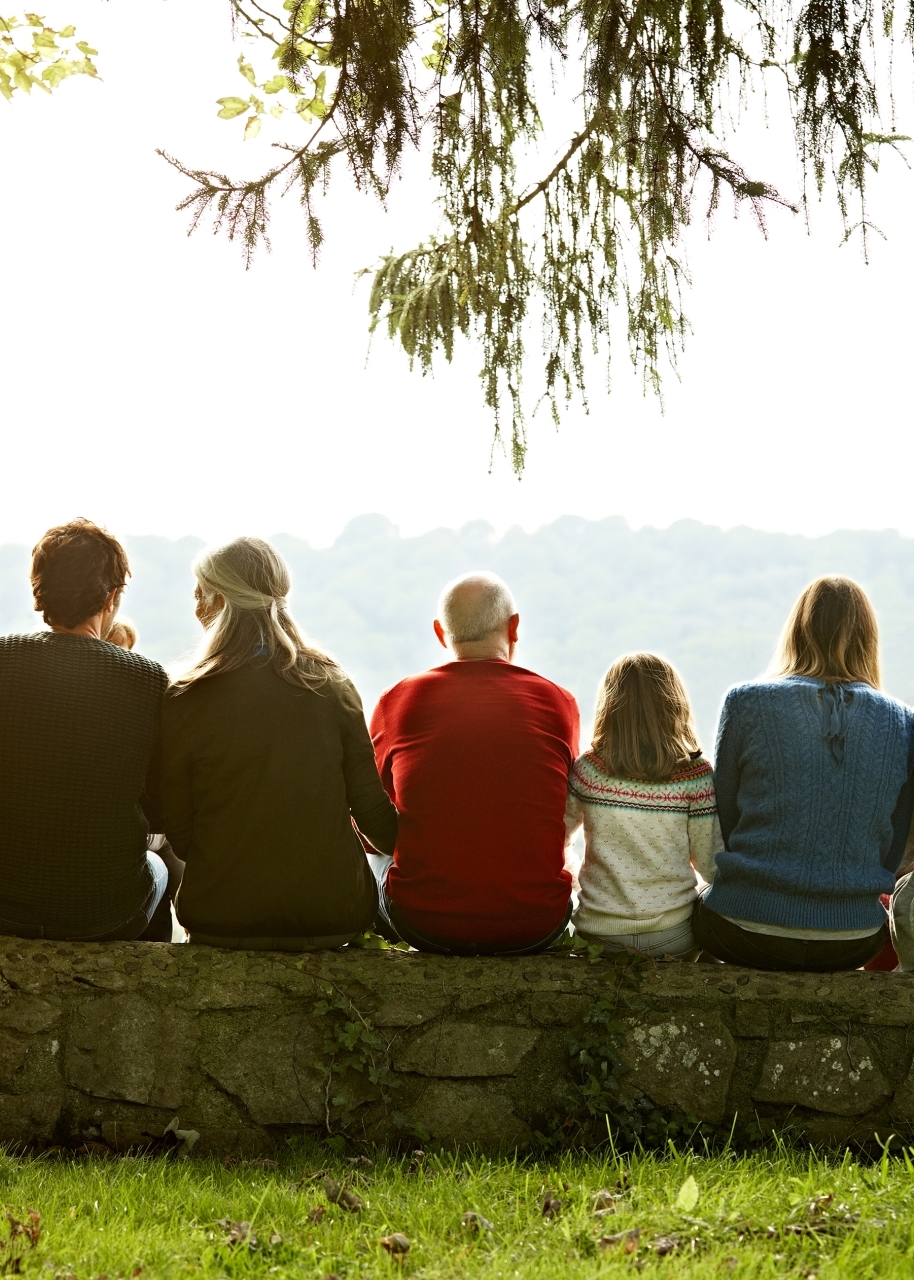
column 757, row 1215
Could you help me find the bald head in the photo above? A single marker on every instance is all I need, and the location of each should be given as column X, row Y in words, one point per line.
column 477, row 617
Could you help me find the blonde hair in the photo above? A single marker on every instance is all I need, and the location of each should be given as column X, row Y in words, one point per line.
column 831, row 635
column 123, row 634
column 643, row 727
column 253, row 580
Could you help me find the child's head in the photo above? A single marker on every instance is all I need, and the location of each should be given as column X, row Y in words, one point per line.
column 123, row 634
column 643, row 727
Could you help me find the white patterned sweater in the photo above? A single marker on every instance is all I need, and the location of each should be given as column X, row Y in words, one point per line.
column 643, row 842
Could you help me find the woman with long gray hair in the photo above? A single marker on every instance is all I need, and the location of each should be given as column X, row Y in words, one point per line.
column 268, row 772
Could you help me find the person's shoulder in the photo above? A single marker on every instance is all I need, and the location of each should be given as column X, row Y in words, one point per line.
column 137, row 664
column 544, row 684
column 21, row 641
column 697, row 769
column 417, row 682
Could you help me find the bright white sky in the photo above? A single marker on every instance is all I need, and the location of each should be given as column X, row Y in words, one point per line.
column 150, row 383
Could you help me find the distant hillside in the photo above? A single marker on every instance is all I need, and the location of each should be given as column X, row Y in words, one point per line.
column 712, row 602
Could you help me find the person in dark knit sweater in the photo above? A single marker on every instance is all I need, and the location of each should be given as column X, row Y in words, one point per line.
column 79, row 720
column 813, row 781
column 267, row 772
column 476, row 754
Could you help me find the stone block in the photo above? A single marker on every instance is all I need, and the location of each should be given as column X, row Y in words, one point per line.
column 274, row 1071
column 902, row 1106
column 462, row 1049
column 125, row 1047
column 832, row 1073
column 29, row 1117
column 408, row 1009
column 473, row 1114
column 12, row 1056
column 684, row 1061
column 29, row 1014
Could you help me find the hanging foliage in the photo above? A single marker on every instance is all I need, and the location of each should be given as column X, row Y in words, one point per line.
column 597, row 237
column 36, row 56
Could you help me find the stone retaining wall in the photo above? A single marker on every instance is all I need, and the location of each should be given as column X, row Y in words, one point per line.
column 115, row 1042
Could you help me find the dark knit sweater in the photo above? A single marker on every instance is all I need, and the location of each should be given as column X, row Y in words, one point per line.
column 814, row 799
column 261, row 780
column 79, row 720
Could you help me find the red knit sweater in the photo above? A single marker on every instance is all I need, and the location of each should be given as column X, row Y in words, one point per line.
column 476, row 756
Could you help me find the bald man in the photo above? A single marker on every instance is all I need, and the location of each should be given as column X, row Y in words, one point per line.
column 475, row 754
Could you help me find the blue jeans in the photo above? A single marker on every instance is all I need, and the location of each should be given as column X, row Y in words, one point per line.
column 128, row 932
column 392, row 925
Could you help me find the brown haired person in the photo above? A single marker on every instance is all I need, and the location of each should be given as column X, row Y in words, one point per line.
column 268, row 772
column 813, row 781
column 645, row 797
column 79, row 720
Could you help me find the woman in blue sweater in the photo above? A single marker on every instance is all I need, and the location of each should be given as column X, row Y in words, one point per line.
column 813, row 782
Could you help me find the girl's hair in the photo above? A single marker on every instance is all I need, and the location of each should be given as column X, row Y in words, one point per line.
column 123, row 633
column 643, row 728
column 253, row 580
column 831, row 635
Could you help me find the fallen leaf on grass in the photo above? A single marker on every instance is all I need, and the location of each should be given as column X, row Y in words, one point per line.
column 418, row 1160
column 237, row 1233
column 318, row 1213
column 476, row 1222
column 604, row 1200
column 687, row 1198
column 397, row 1245
column 629, row 1240
column 552, row 1206
column 362, row 1161
column 339, row 1193
column 235, row 1162
column 665, row 1244
column 31, row 1229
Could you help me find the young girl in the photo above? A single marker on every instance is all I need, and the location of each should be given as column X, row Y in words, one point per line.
column 645, row 796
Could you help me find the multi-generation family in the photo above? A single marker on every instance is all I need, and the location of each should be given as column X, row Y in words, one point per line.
column 250, row 793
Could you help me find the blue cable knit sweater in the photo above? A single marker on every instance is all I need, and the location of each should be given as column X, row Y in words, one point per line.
column 814, row 795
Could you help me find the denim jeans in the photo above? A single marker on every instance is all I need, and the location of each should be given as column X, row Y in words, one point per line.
column 677, row 941
column 728, row 942
column 391, row 924
column 137, row 925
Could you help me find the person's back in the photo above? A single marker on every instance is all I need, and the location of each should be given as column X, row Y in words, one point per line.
column 645, row 798
column 259, row 778
column 810, row 835
column 475, row 755
column 813, row 780
column 266, row 764
column 79, row 721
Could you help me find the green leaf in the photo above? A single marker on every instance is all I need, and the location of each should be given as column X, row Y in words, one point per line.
column 275, row 84
column 65, row 33
column 44, row 39
column 303, row 108
column 232, row 107
column 320, row 85
column 276, row 110
column 86, row 48
column 252, row 128
column 246, row 70
column 688, row 1195
column 319, row 108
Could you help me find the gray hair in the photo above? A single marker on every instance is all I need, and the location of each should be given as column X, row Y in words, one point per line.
column 474, row 606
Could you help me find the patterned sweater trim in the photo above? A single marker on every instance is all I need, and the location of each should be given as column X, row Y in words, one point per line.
column 691, row 789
